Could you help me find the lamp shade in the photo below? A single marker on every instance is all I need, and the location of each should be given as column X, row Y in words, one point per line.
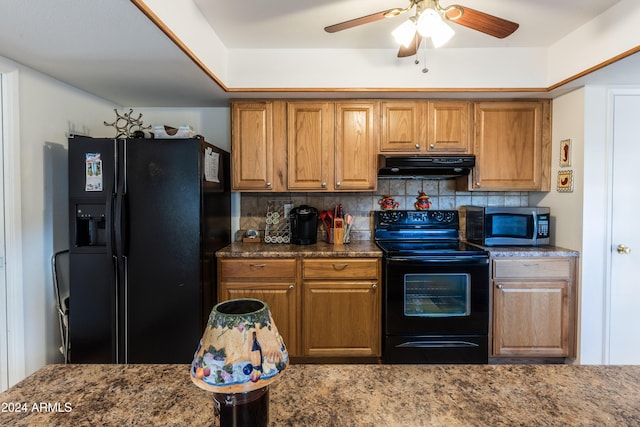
column 442, row 34
column 240, row 350
column 405, row 32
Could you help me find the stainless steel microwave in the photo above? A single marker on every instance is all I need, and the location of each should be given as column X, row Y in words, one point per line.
column 494, row 226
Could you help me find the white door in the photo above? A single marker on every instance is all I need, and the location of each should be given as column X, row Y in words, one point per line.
column 624, row 315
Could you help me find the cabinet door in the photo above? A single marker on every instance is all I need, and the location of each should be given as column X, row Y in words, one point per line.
column 403, row 126
column 310, row 136
column 356, row 146
column 448, row 130
column 252, row 146
column 257, row 146
column 531, row 318
column 280, row 296
column 512, row 146
column 341, row 319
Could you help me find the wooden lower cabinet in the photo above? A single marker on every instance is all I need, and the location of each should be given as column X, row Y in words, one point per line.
column 341, row 300
column 534, row 307
column 270, row 280
column 322, row 307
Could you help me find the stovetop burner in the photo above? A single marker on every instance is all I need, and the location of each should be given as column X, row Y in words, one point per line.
column 420, row 233
column 392, row 248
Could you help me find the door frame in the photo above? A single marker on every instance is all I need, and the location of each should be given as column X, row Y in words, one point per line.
column 15, row 324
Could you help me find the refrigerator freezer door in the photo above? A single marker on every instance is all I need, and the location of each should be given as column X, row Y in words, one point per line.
column 92, row 269
column 92, row 167
column 162, row 248
column 92, row 322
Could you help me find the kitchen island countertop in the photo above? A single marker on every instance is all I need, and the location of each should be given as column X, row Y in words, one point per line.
column 336, row 395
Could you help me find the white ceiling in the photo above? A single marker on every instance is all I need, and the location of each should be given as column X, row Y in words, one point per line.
column 300, row 23
column 111, row 49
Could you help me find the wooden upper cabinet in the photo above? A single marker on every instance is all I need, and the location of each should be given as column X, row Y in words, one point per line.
column 356, row 143
column 403, row 126
column 254, row 164
column 331, row 146
column 512, row 146
column 425, row 127
column 448, row 129
column 310, row 137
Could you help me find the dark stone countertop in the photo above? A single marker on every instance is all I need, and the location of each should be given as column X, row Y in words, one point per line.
column 355, row 249
column 336, row 395
column 528, row 251
column 368, row 248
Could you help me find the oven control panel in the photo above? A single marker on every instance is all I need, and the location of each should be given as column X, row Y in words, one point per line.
column 447, row 218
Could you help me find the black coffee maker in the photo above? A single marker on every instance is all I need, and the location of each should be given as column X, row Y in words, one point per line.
column 304, row 225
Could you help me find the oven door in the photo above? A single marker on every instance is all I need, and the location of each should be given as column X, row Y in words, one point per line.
column 436, row 295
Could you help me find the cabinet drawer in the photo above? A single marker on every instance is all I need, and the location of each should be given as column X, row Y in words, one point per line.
column 532, row 268
column 257, row 268
column 340, row 268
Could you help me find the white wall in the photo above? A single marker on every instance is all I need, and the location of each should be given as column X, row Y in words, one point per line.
column 583, row 116
column 48, row 112
column 568, row 122
column 566, row 208
column 212, row 123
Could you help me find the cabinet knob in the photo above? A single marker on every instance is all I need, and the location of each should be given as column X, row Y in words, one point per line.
column 291, row 286
column 338, row 184
column 324, row 185
column 477, row 184
column 500, row 286
column 432, row 145
column 268, row 184
column 418, row 146
column 374, row 286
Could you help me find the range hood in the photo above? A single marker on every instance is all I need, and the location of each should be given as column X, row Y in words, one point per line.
column 425, row 166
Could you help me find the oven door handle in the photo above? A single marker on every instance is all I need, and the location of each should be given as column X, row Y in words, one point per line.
column 438, row 344
column 469, row 260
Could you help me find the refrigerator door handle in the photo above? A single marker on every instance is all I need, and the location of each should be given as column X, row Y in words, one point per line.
column 125, row 311
column 108, row 217
column 117, row 223
column 124, row 225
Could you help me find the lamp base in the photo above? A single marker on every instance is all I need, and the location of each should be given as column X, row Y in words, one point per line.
column 250, row 409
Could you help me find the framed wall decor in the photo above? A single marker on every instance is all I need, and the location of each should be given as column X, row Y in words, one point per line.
column 565, row 181
column 565, row 153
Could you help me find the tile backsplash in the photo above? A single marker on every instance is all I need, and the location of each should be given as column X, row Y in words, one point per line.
column 442, row 194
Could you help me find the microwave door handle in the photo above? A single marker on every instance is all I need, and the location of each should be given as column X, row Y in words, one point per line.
column 535, row 227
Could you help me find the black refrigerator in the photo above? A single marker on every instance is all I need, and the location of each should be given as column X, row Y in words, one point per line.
column 146, row 217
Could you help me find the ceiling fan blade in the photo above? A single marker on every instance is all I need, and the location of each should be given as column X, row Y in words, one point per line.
column 363, row 20
column 412, row 49
column 480, row 21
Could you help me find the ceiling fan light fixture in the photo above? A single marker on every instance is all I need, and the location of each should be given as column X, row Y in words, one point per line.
column 405, row 32
column 428, row 22
column 442, row 34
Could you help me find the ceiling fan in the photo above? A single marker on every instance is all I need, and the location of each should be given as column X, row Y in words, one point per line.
column 429, row 21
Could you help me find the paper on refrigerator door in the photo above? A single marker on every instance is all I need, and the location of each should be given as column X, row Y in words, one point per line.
column 211, row 165
column 93, row 172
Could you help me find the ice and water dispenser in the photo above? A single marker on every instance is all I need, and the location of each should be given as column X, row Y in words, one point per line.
column 90, row 225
